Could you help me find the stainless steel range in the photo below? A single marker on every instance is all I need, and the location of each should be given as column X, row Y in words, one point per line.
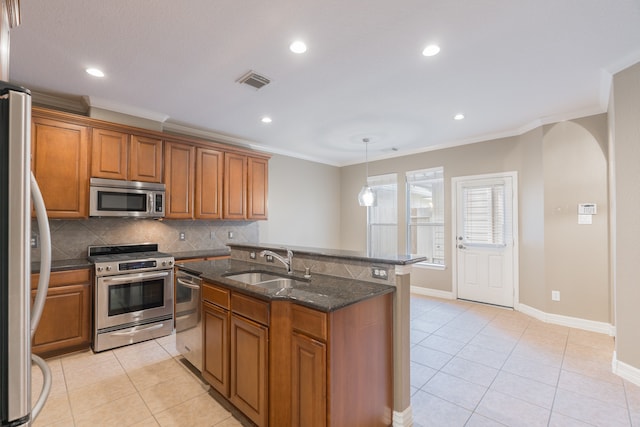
column 133, row 294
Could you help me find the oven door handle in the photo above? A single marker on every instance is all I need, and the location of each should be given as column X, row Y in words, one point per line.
column 137, row 329
column 187, row 284
column 133, row 277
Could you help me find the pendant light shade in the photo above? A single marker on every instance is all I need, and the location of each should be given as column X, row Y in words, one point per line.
column 366, row 197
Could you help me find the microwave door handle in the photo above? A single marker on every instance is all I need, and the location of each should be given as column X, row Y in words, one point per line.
column 133, row 277
column 150, row 210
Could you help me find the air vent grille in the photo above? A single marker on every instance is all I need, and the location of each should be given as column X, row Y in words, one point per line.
column 254, row 80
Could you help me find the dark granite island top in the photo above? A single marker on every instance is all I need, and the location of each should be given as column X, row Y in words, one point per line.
column 335, row 253
column 321, row 292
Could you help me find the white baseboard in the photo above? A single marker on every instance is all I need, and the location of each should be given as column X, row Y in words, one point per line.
column 572, row 322
column 419, row 290
column 625, row 371
column 404, row 418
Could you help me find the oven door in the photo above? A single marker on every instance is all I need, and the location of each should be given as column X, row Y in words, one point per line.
column 133, row 298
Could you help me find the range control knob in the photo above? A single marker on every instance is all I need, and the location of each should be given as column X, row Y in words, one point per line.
column 170, row 262
column 164, row 263
column 100, row 269
column 108, row 268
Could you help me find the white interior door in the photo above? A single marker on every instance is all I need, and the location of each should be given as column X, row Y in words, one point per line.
column 485, row 231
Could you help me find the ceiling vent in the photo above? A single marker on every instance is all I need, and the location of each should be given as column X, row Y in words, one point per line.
column 254, row 80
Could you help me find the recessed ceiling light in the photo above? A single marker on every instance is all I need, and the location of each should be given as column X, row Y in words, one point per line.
column 458, row 116
column 431, row 50
column 95, row 72
column 266, row 119
column 298, row 46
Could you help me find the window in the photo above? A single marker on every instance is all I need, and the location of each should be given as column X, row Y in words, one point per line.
column 483, row 215
column 425, row 214
column 382, row 219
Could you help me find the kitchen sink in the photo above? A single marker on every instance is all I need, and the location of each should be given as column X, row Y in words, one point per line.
column 263, row 279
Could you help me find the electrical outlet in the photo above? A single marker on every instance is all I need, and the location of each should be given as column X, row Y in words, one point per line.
column 212, row 235
column 555, row 295
column 34, row 241
column 230, row 234
column 252, row 255
column 379, row 273
column 269, row 258
column 182, row 236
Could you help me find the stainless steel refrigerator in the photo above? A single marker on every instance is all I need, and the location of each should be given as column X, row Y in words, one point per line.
column 18, row 316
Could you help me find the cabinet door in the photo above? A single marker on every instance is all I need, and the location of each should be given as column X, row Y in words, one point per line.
column 257, row 188
column 65, row 324
column 179, row 170
column 249, row 368
column 59, row 163
column 309, row 384
column 235, row 186
column 109, row 154
column 216, row 348
column 145, row 159
column 209, row 165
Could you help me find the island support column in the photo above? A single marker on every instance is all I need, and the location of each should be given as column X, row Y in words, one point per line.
column 402, row 413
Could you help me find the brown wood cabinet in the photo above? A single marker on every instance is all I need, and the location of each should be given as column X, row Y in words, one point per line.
column 119, row 155
column 257, row 188
column 235, row 186
column 179, row 164
column 249, row 368
column 109, row 156
column 293, row 365
column 65, row 324
column 59, row 162
column 308, row 381
column 145, row 159
column 204, row 179
column 245, row 187
column 209, row 178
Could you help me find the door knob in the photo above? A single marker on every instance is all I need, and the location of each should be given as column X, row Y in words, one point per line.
column 460, row 246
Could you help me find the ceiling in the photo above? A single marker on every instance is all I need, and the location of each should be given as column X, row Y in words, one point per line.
column 507, row 65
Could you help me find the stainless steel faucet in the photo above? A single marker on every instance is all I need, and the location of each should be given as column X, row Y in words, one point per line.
column 287, row 262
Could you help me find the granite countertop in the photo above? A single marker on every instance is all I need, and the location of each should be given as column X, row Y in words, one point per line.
column 80, row 263
column 335, row 253
column 320, row 292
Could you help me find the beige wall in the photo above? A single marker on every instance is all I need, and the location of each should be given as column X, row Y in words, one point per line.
column 576, row 255
column 526, row 155
column 625, row 165
column 304, row 204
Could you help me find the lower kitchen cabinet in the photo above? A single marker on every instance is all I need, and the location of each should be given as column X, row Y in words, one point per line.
column 249, row 368
column 286, row 364
column 216, row 349
column 308, row 381
column 65, row 324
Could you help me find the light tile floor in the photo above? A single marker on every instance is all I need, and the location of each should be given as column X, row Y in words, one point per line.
column 142, row 385
column 478, row 365
column 471, row 365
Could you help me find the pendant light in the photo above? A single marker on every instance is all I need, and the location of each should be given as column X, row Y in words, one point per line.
column 366, row 197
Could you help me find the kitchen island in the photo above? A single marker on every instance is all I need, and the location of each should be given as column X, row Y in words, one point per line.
column 329, row 349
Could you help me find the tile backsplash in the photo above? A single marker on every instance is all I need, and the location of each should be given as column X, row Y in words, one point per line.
column 70, row 238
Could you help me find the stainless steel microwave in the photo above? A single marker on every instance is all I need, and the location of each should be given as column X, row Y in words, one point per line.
column 112, row 197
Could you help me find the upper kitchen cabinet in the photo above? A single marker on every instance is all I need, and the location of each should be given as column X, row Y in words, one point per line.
column 179, row 165
column 245, row 187
column 60, row 164
column 119, row 155
column 235, row 186
column 257, row 187
column 209, row 177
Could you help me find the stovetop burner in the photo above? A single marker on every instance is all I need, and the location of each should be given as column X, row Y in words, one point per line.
column 119, row 259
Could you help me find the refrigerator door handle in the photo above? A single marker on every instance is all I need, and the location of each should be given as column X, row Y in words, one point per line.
column 41, row 294
column 45, row 255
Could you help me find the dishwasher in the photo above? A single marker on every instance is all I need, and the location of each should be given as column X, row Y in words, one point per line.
column 189, row 318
